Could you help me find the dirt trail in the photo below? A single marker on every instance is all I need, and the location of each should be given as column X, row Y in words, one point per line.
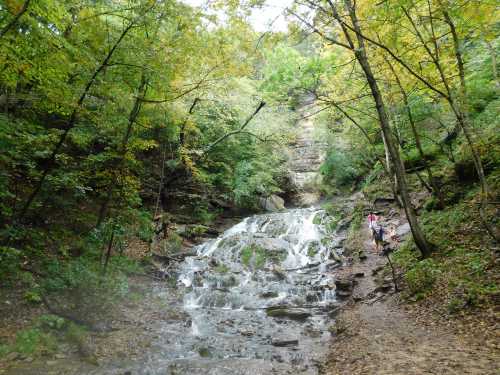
column 379, row 337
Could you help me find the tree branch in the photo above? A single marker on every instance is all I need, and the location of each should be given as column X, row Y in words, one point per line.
column 240, row 130
column 15, row 19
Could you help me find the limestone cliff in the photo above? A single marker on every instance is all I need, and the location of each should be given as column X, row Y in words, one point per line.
column 305, row 156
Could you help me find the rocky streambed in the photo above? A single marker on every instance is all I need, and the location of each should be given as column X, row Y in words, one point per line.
column 259, row 299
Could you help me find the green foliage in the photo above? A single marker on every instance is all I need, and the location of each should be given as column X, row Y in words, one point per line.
column 289, row 72
column 84, row 287
column 461, row 272
column 422, row 276
column 9, row 263
column 33, row 296
column 340, row 169
column 34, row 341
column 51, row 322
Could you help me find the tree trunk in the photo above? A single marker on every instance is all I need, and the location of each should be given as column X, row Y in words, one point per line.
column 393, row 181
column 108, row 252
column 362, row 58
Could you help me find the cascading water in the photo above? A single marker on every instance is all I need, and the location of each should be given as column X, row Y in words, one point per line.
column 256, row 300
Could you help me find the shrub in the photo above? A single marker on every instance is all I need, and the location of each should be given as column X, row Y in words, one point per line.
column 339, row 168
column 33, row 341
column 421, row 277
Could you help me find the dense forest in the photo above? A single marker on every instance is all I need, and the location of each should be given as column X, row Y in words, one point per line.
column 121, row 117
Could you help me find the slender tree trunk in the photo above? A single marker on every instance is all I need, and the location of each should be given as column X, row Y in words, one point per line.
column 71, row 124
column 494, row 71
column 182, row 132
column 393, row 181
column 362, row 57
column 108, row 252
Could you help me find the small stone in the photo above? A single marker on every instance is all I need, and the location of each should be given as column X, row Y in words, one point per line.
column 51, row 363
column 269, row 294
column 60, row 356
column 247, row 333
column 12, row 356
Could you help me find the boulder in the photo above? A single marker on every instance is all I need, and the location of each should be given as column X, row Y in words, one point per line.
column 288, row 312
column 272, row 203
column 284, row 342
column 403, row 230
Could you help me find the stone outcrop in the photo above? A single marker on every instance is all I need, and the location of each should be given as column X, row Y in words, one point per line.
column 305, row 156
column 272, row 203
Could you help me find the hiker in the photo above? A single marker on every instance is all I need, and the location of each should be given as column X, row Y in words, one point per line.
column 378, row 237
column 372, row 220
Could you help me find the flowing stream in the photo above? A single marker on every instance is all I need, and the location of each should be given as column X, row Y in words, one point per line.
column 257, row 301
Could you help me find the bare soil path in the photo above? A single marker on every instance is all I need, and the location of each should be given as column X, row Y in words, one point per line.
column 378, row 336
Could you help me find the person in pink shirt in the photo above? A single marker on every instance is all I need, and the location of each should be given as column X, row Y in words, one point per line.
column 372, row 220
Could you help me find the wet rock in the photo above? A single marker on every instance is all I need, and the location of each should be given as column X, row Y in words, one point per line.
column 359, row 274
column 279, row 274
column 213, row 262
column 343, row 293
column 311, row 297
column 344, row 284
column 291, row 313
column 272, row 203
column 247, row 333
column 269, row 294
column 281, row 342
column 278, row 358
column 12, row 356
